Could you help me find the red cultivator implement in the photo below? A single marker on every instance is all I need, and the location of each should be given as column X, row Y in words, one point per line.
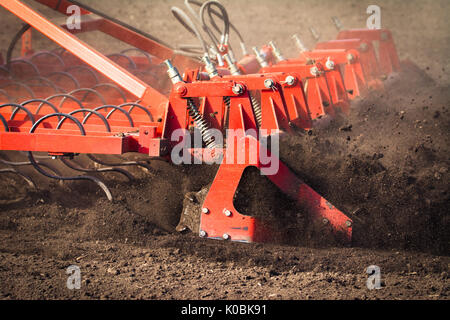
column 75, row 100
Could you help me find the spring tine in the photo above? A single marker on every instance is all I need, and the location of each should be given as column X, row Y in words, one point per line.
column 30, row 181
column 49, row 53
column 77, row 167
column 111, row 85
column 65, row 97
column 57, row 177
column 59, row 51
column 5, row 69
column 84, row 68
column 49, row 83
column 5, row 123
column 133, row 105
column 24, row 177
column 88, row 90
column 25, row 61
column 78, row 123
column 42, row 101
column 36, row 156
column 132, row 65
column 8, row 97
column 102, row 117
column 143, row 164
column 130, row 120
column 146, row 54
column 20, row 84
column 18, row 106
column 67, row 75
column 28, row 163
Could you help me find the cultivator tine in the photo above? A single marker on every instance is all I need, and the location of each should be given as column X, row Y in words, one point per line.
column 97, row 181
column 77, row 167
column 27, row 179
column 83, row 69
column 28, row 163
column 143, row 164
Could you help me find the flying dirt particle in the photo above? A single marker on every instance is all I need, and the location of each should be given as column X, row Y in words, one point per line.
column 274, row 273
column 113, row 271
column 346, row 128
column 377, row 156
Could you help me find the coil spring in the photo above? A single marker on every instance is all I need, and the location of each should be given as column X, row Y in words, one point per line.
column 201, row 124
column 256, row 106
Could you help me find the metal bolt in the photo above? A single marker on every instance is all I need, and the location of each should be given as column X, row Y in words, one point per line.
column 226, row 236
column 181, row 90
column 202, row 233
column 290, row 80
column 330, row 64
column 227, row 212
column 205, row 210
column 269, row 84
column 237, row 89
column 350, row 58
column 348, row 223
column 314, row 71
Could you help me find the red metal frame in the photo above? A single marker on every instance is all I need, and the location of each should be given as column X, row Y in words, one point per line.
column 387, row 53
column 282, row 105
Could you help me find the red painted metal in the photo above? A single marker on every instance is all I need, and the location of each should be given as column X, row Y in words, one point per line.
column 387, row 53
column 283, row 104
column 366, row 57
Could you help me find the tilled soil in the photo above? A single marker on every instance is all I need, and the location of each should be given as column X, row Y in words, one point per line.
column 386, row 165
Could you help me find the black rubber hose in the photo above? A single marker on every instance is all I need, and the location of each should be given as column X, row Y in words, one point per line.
column 123, row 24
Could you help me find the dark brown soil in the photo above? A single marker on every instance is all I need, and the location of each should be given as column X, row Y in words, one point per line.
column 386, row 165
